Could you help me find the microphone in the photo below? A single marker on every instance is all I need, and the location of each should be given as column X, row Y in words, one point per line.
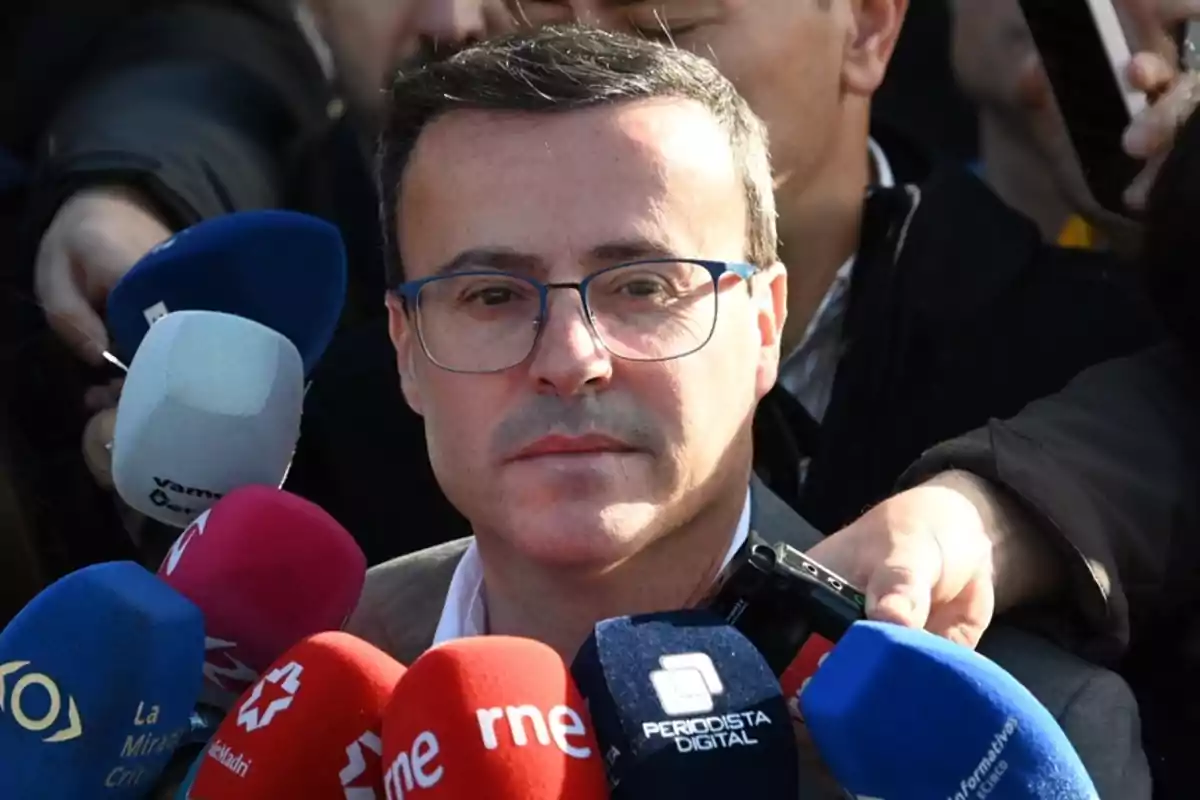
column 184, row 790
column 907, row 715
column 180, row 770
column 684, row 706
column 212, row 402
column 490, row 717
column 282, row 269
column 268, row 569
column 309, row 728
column 98, row 677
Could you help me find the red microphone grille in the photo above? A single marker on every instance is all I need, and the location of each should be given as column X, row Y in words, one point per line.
column 490, row 717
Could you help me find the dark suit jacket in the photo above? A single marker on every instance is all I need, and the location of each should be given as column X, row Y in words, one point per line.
column 1109, row 468
column 403, row 598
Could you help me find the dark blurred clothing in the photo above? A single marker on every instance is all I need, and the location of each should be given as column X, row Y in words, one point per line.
column 958, row 313
column 920, row 95
column 207, row 107
column 1109, row 469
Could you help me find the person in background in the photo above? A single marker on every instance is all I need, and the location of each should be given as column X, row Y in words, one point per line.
column 1104, row 475
column 916, row 310
column 587, row 306
column 136, row 119
column 1025, row 152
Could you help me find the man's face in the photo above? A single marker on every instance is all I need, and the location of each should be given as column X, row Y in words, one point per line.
column 995, row 60
column 556, row 198
column 793, row 60
column 371, row 39
column 998, row 66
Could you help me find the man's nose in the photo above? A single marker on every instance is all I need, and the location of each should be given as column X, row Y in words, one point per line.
column 453, row 23
column 569, row 359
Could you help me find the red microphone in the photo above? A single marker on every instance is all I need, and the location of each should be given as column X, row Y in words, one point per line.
column 267, row 568
column 490, row 717
column 310, row 728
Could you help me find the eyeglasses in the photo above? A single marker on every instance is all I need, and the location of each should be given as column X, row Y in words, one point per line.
column 489, row 321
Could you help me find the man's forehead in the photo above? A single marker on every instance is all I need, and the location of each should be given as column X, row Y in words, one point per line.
column 659, row 173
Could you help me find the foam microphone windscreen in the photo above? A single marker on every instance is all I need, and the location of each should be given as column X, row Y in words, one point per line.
column 98, row 677
column 268, row 569
column 490, row 717
column 309, row 729
column 212, row 402
column 279, row 268
column 907, row 715
column 684, row 706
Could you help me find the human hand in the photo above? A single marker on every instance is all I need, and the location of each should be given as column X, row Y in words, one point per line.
column 95, row 238
column 1173, row 91
column 97, row 446
column 944, row 556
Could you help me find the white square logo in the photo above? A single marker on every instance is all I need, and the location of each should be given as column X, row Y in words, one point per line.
column 686, row 684
column 155, row 312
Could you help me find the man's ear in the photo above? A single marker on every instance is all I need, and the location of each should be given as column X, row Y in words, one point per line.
column 770, row 293
column 872, row 41
column 404, row 340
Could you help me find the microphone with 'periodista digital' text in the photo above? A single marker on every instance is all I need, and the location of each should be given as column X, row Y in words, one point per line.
column 685, row 706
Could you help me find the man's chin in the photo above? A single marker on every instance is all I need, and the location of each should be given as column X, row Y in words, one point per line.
column 578, row 534
column 598, row 481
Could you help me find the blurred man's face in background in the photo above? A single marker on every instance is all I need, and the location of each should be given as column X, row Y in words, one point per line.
column 796, row 61
column 559, row 197
column 793, row 60
column 998, row 66
column 371, row 39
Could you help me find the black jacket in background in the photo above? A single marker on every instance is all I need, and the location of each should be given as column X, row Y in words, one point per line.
column 207, row 106
column 1109, row 470
column 958, row 313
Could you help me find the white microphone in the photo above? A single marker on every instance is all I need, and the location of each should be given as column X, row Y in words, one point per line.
column 211, row 403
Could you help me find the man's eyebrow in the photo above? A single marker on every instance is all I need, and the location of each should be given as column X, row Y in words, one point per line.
column 503, row 259
column 492, row 258
column 631, row 250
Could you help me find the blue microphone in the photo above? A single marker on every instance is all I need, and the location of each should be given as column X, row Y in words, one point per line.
column 684, row 706
column 282, row 269
column 98, row 678
column 903, row 714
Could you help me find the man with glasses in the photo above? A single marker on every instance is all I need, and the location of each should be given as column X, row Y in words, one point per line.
column 586, row 309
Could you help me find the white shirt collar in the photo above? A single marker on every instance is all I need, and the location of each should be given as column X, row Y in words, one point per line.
column 465, row 611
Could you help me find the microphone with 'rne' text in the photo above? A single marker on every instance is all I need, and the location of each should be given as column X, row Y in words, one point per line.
column 309, row 729
column 267, row 568
column 684, row 706
column 903, row 714
column 98, row 678
column 282, row 269
column 490, row 718
column 211, row 403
